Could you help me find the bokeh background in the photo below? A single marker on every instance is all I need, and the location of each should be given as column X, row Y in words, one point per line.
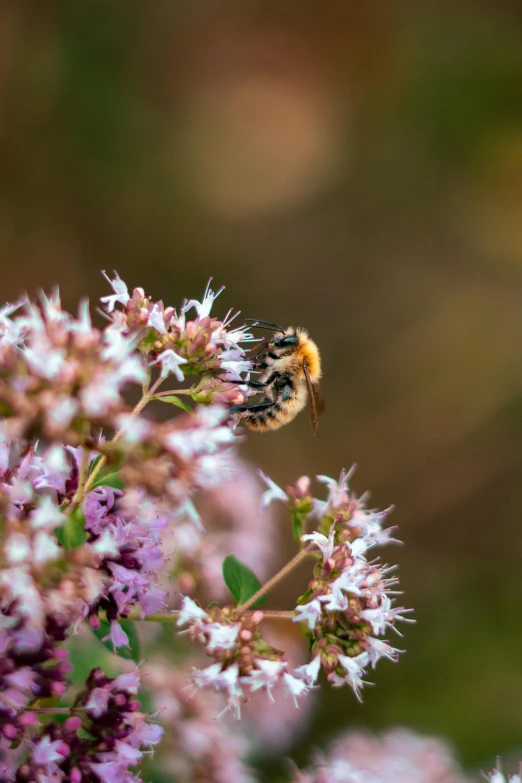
column 352, row 167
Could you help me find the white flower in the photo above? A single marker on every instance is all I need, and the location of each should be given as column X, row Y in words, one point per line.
column 214, row 469
column 266, row 675
column 170, row 362
column 203, row 678
column 295, row 687
column 116, row 346
column 83, row 325
column 131, row 368
column 43, row 359
column 105, row 545
column 380, row 649
column 212, row 415
column 92, row 584
column 121, row 292
column 133, row 428
column 55, row 459
column 63, row 410
column 101, row 395
column 358, row 548
column 156, row 319
column 187, row 510
column 497, row 777
column 350, row 579
column 47, row 515
column 231, row 339
column 337, row 489
column 309, row 672
column 45, row 548
column 190, row 612
column 52, row 307
column 17, row 548
column 308, row 613
column 385, row 615
column 336, row 601
column 222, row 637
column 10, row 331
column 234, row 363
column 272, row 493
column 354, row 668
column 228, row 680
column 203, row 308
column 326, row 545
column 199, row 440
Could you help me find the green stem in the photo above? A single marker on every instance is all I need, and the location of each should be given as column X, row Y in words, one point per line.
column 173, row 391
column 82, row 491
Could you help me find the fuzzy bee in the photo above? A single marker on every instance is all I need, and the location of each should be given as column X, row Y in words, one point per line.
column 291, row 369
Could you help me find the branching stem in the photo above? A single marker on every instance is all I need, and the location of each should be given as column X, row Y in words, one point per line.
column 85, row 486
column 275, row 579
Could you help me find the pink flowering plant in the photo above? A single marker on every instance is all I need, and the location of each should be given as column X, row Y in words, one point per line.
column 99, row 511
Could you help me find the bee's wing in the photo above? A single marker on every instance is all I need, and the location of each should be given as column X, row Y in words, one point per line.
column 315, row 399
column 319, row 398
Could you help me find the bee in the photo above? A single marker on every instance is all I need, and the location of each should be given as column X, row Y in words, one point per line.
column 291, row 369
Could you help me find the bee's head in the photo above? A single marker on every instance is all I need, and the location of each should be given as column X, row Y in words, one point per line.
column 284, row 342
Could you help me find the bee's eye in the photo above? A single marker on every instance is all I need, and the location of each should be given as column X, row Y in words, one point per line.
column 286, row 342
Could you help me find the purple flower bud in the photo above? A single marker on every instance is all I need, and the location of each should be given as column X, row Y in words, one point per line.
column 73, row 723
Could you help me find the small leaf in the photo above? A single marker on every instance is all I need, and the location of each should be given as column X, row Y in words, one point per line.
column 131, row 653
column 297, row 526
column 109, row 480
column 72, row 533
column 94, row 463
column 48, row 701
column 173, row 400
column 241, row 580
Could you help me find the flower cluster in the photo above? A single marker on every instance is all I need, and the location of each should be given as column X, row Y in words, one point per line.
column 169, row 340
column 174, row 460
column 242, row 658
column 105, row 736
column 347, row 605
column 96, row 498
column 497, row 776
column 59, row 375
column 398, row 755
column 197, row 747
column 82, row 514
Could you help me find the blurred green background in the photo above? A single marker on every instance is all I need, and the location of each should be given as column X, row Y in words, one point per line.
column 352, row 167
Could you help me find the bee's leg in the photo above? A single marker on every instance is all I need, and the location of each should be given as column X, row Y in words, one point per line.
column 261, row 361
column 257, row 406
column 261, row 384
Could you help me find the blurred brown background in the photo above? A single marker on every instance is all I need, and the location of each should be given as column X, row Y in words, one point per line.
column 352, row 167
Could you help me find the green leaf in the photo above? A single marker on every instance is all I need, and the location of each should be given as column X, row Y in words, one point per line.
column 173, row 400
column 48, row 701
column 297, row 526
column 109, row 480
column 241, row 580
column 94, row 463
column 72, row 533
column 131, row 653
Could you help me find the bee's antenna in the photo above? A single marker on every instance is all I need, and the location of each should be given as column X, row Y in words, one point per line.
column 260, row 324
